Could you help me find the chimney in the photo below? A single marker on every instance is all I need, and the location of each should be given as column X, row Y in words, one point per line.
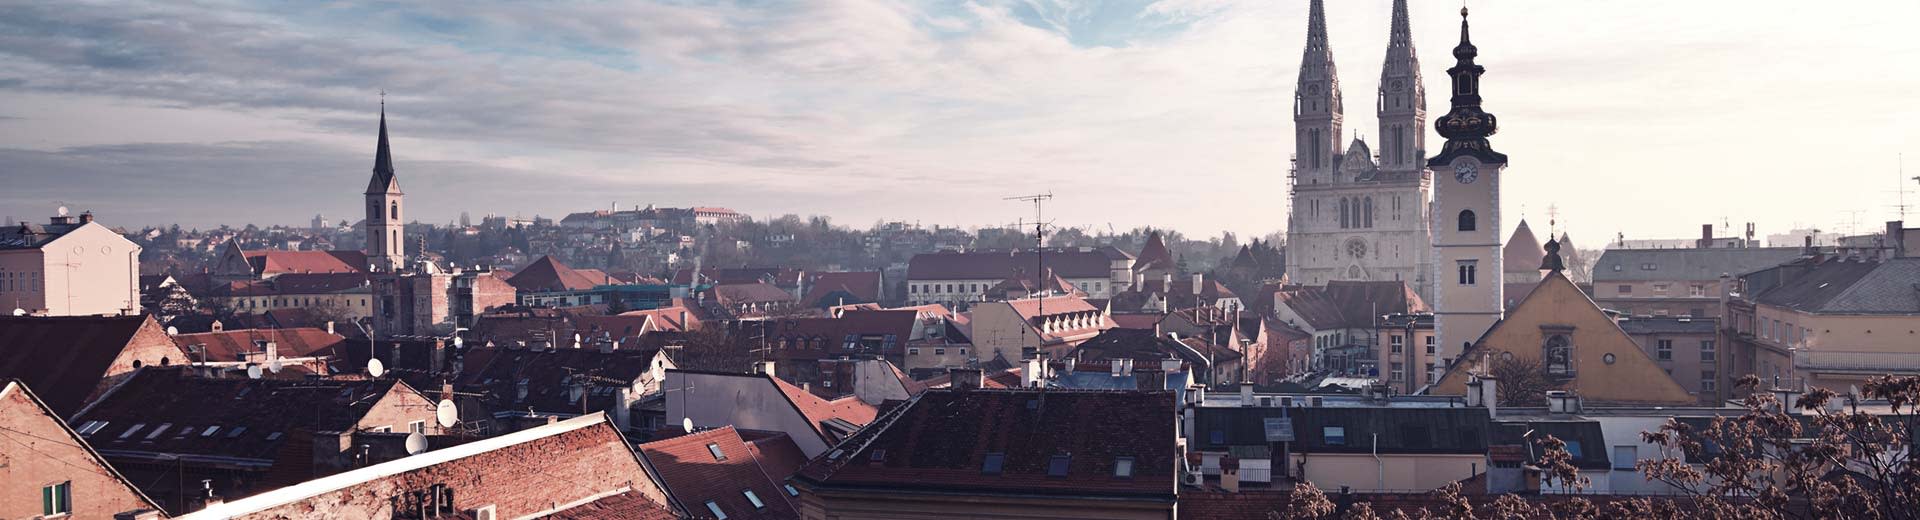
column 1706, row 236
column 1139, row 282
column 1119, row 366
column 608, row 345
column 963, row 379
column 1170, row 365
column 1483, row 391
column 1246, row 393
column 1230, row 474
column 1035, row 373
column 1896, row 239
column 1070, row 362
column 1198, row 279
column 1166, row 283
column 86, row 217
column 765, row 367
column 330, row 327
column 1562, row 402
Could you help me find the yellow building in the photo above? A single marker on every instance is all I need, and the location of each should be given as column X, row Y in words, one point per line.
column 1577, row 345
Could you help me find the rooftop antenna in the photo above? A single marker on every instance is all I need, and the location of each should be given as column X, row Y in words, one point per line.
column 1039, row 251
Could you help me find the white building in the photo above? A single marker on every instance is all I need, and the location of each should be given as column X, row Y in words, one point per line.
column 68, row 267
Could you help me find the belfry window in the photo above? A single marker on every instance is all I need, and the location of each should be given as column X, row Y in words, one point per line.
column 1344, row 214
column 1467, row 220
column 393, row 211
column 1369, row 213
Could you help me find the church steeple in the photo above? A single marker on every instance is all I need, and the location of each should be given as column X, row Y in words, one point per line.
column 383, row 180
column 1317, row 110
column 1466, row 127
column 1403, row 99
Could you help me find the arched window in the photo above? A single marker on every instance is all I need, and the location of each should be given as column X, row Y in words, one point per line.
column 1369, row 213
column 1313, row 143
column 1344, row 213
column 1467, row 221
column 393, row 211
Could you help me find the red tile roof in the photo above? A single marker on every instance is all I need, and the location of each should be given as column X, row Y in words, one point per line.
column 819, row 410
column 1154, row 255
column 940, row 441
column 1349, row 304
column 999, row 264
column 234, row 345
column 692, row 476
column 272, row 262
column 549, row 275
column 862, row 286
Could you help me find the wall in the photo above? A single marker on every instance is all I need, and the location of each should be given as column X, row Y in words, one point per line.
column 90, row 270
column 1685, row 365
column 846, row 505
column 27, row 270
column 1400, row 472
column 742, row 401
column 400, row 407
column 997, row 329
column 1836, row 351
column 1414, row 357
column 41, row 451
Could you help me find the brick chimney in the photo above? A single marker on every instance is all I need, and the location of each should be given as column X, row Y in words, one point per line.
column 86, row 217
column 1896, row 239
column 1706, row 236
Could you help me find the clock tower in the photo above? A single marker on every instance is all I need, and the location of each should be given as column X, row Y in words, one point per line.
column 385, row 229
column 1466, row 212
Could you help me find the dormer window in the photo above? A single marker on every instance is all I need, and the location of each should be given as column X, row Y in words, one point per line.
column 992, row 463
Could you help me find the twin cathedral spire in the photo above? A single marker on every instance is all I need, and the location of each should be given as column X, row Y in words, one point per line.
column 1401, row 104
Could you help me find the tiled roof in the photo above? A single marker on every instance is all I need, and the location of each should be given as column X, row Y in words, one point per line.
column 1143, row 345
column 234, row 345
column 64, row 358
column 1137, row 321
column 1523, row 252
column 776, row 452
column 749, row 293
column 1851, row 287
column 1154, row 255
column 1633, row 265
column 28, row 235
column 998, row 265
column 275, row 262
column 862, row 286
column 549, row 275
column 248, row 418
column 942, row 441
column 693, row 476
column 1349, row 304
column 300, row 283
column 819, row 411
column 556, row 380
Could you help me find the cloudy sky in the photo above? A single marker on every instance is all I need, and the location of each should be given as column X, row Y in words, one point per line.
column 1643, row 117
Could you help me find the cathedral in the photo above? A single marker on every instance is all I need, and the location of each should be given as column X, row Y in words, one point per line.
column 1360, row 213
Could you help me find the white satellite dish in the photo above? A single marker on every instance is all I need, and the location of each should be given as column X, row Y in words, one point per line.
column 457, row 342
column 63, row 211
column 447, row 413
column 274, row 366
column 173, row 331
column 416, row 443
column 686, row 423
column 253, row 371
column 576, row 340
column 375, row 368
column 19, row 312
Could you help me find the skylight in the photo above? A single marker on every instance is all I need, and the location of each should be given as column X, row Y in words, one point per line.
column 715, row 508
column 791, row 491
column 1123, row 467
column 130, row 431
column 1057, row 466
column 990, row 464
column 755, row 499
column 714, row 449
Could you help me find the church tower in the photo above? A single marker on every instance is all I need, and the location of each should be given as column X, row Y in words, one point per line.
column 1316, row 105
column 1466, row 212
column 385, row 230
column 1403, row 100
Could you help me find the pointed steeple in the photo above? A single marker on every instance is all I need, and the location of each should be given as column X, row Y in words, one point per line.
column 1317, row 109
column 1466, row 126
column 383, row 179
column 1316, row 62
column 1403, row 99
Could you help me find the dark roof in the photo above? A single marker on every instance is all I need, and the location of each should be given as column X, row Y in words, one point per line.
column 941, row 442
column 749, row 293
column 869, row 329
column 269, row 410
column 383, row 179
column 1154, row 255
column 301, row 283
column 551, row 376
column 64, row 358
column 1584, row 439
column 1401, row 430
column 857, row 287
column 780, row 276
column 1634, row 265
column 1144, row 345
column 691, row 474
column 1523, row 251
column 28, row 235
column 1849, row 287
column 1349, row 303
column 1000, row 264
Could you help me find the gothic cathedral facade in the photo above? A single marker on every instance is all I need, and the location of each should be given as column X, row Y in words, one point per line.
column 1360, row 213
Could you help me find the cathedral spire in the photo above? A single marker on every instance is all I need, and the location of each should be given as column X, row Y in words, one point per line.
column 1316, row 62
column 1402, row 102
column 383, row 180
column 1466, row 126
column 1317, row 110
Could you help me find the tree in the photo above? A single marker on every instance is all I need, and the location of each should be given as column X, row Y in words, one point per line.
column 1522, row 381
column 712, row 349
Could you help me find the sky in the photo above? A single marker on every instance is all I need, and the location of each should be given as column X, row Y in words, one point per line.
column 1642, row 118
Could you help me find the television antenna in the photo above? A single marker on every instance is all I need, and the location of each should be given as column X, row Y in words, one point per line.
column 1040, row 276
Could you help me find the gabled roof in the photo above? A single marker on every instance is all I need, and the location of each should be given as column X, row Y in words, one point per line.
column 66, row 357
column 1154, row 255
column 749, row 293
column 693, row 476
column 556, row 380
column 1341, row 304
column 1842, row 286
column 13, row 391
column 234, row 418
column 235, row 345
column 859, row 287
column 549, row 275
column 1632, row 265
column 820, row 411
column 1523, row 251
column 28, row 235
column 941, row 441
column 266, row 262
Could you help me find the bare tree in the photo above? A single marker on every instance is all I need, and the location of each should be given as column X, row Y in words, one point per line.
column 1522, row 381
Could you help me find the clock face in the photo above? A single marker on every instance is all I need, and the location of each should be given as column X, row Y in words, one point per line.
column 1466, row 172
column 1397, row 85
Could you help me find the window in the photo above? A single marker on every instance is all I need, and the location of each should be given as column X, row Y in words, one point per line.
column 1625, row 289
column 1430, row 345
column 1467, row 221
column 1573, row 448
column 1664, row 350
column 715, row 509
column 791, row 491
column 417, row 427
column 1368, row 204
column 990, row 464
column 755, row 499
column 90, row 427
column 1625, row 456
column 1217, row 437
column 236, row 431
column 393, row 211
column 130, row 431
column 1334, row 435
column 1697, row 290
column 1706, row 350
column 879, row 456
column 714, row 449
column 1659, row 288
column 1123, row 467
column 939, row 352
column 1397, row 342
column 1399, row 372
column 57, row 499
column 1057, row 466
column 1708, row 380
column 1430, row 374
column 1343, row 214
column 1468, row 271
column 913, row 351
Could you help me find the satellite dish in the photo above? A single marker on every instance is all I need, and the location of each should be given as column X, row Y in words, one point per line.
column 576, row 340
column 457, row 342
column 447, row 413
column 375, row 368
column 416, row 443
column 686, row 423
column 253, row 371
column 274, row 366
column 19, row 312
column 173, row 331
column 63, row 211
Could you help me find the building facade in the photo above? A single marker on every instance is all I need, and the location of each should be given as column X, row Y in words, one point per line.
column 1466, row 238
column 386, row 250
column 1360, row 214
column 68, row 267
